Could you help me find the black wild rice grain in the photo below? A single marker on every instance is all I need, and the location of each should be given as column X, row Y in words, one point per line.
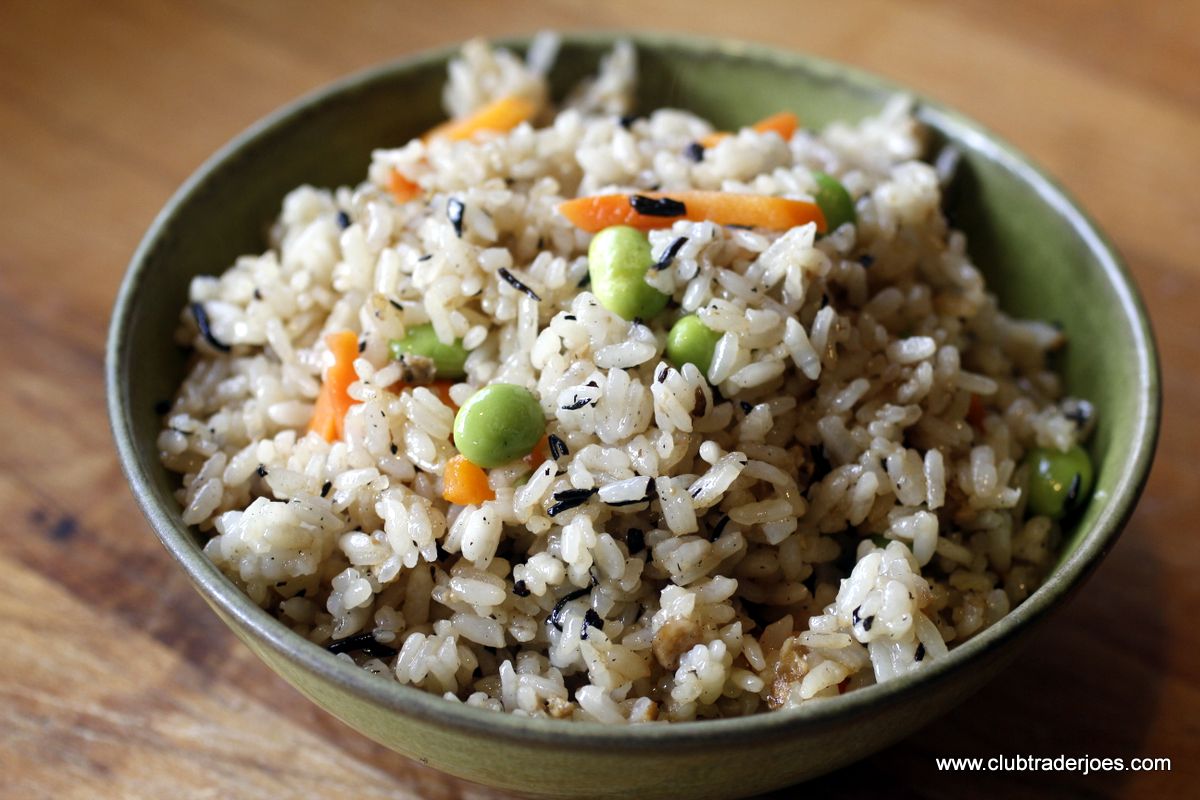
column 719, row 528
column 868, row 622
column 425, row 257
column 920, row 654
column 669, row 254
column 325, row 487
column 635, row 540
column 364, row 643
column 394, row 448
column 626, row 120
column 362, row 345
column 1073, row 490
column 591, row 620
column 570, row 494
column 343, row 220
column 558, row 448
column 262, row 471
column 568, row 499
column 746, row 407
column 520, row 589
column 695, row 151
column 454, row 210
column 512, row 281
column 577, row 403
column 1079, row 412
column 555, row 615
column 657, row 206
column 202, row 322
column 396, row 305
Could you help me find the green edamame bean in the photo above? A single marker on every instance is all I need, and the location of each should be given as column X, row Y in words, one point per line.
column 1058, row 482
column 498, row 424
column 617, row 262
column 692, row 342
column 836, row 203
column 422, row 340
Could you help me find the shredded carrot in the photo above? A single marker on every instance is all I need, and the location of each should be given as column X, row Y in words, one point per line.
column 329, row 414
column 442, row 390
column 594, row 214
column 540, row 452
column 976, row 412
column 323, row 421
column 401, row 187
column 499, row 115
column 784, row 123
column 465, row 484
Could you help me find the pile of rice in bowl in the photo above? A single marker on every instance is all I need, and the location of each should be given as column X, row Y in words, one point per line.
column 837, row 499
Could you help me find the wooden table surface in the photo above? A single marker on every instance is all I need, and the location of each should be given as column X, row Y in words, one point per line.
column 117, row 681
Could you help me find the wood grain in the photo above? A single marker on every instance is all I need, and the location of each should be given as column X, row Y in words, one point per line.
column 116, row 680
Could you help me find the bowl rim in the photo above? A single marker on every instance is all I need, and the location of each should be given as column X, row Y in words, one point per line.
column 416, row 703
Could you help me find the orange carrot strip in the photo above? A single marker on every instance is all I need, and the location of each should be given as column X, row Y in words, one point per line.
column 322, row 421
column 976, row 412
column 329, row 415
column 784, row 123
column 594, row 214
column 442, row 390
column 465, row 484
column 540, row 452
column 401, row 187
column 499, row 115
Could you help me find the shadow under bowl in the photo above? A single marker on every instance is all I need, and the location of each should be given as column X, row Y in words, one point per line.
column 1041, row 254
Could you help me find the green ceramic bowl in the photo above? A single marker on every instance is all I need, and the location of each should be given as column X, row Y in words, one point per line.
column 1040, row 252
